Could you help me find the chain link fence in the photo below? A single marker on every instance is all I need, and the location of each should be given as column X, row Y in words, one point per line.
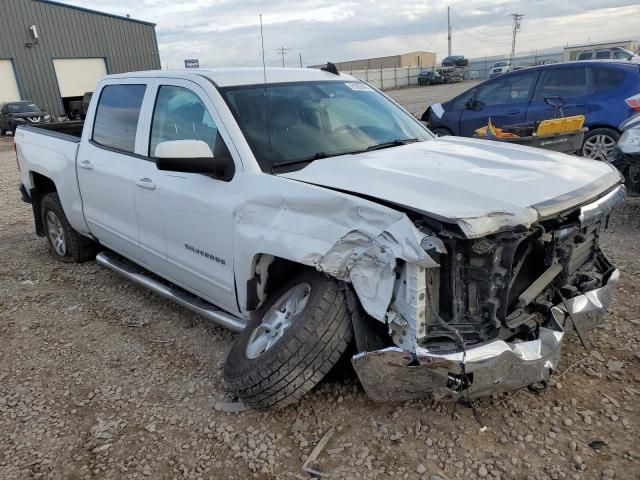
column 478, row 69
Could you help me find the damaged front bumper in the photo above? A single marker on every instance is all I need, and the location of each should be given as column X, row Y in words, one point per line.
column 393, row 374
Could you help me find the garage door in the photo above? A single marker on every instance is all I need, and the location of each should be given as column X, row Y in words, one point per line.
column 78, row 75
column 8, row 85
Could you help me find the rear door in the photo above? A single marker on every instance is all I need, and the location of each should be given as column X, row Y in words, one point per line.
column 504, row 100
column 105, row 163
column 572, row 83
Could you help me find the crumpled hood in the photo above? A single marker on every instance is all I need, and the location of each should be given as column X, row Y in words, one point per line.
column 481, row 185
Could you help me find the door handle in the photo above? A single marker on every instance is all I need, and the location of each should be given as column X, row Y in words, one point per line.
column 146, row 183
column 514, row 112
column 86, row 164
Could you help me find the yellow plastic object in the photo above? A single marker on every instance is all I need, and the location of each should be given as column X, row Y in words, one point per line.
column 560, row 125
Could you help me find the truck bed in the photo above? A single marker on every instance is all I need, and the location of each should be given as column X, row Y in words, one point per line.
column 70, row 131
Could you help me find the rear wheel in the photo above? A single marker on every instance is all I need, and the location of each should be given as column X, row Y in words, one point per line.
column 2, row 132
column 294, row 340
column 65, row 244
column 600, row 144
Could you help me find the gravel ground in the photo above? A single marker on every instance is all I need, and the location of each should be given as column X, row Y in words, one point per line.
column 417, row 99
column 102, row 379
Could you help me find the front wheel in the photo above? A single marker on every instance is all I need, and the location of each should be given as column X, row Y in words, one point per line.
column 294, row 339
column 600, row 144
column 65, row 244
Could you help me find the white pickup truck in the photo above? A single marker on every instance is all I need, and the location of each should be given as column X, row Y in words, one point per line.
column 310, row 212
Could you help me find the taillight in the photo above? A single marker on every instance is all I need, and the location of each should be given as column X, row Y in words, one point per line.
column 634, row 102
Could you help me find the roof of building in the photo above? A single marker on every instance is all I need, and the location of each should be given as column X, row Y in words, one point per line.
column 95, row 12
column 230, row 77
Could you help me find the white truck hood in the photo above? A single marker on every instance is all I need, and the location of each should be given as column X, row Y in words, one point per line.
column 481, row 185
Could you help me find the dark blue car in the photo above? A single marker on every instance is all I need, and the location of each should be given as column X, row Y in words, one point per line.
column 605, row 92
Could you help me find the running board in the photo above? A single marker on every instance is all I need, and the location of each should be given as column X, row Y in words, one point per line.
column 176, row 295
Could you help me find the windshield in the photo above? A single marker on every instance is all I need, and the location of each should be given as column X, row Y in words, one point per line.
column 313, row 120
column 23, row 108
column 501, row 64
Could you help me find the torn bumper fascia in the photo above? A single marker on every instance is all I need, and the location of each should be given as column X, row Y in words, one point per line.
column 394, row 374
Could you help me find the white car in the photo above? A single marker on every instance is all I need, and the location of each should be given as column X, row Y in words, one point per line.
column 310, row 212
column 499, row 68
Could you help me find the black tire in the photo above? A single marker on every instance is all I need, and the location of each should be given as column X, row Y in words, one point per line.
column 77, row 248
column 2, row 132
column 589, row 148
column 441, row 131
column 304, row 354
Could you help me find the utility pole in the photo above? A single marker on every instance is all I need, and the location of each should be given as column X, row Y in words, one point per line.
column 449, row 28
column 516, row 28
column 300, row 55
column 282, row 51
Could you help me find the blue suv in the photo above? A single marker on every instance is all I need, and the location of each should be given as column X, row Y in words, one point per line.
column 605, row 92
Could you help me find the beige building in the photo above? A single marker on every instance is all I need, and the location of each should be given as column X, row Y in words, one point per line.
column 412, row 59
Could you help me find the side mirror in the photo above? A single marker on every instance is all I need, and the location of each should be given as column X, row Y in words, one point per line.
column 472, row 104
column 193, row 156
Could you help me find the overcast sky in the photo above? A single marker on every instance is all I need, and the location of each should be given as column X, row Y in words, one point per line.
column 227, row 33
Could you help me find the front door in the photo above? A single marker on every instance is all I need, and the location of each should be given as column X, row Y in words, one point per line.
column 503, row 100
column 105, row 163
column 186, row 219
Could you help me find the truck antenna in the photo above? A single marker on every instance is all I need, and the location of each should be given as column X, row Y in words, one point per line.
column 266, row 98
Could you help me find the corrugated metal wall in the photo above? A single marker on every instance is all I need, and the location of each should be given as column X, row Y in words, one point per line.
column 64, row 32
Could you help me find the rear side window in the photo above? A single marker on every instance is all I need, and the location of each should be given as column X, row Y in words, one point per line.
column 585, row 56
column 117, row 116
column 562, row 82
column 605, row 79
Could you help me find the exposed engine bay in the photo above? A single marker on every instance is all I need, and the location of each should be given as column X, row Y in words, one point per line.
column 504, row 286
column 491, row 317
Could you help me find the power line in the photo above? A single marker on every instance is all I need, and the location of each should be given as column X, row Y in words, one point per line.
column 282, row 51
column 467, row 25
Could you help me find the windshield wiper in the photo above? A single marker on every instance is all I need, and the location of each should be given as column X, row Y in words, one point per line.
column 393, row 143
column 310, row 158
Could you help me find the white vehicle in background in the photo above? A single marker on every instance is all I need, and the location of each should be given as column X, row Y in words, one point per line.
column 614, row 53
column 499, row 68
column 310, row 212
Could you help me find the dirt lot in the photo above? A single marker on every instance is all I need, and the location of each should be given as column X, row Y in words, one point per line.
column 102, row 379
column 417, row 99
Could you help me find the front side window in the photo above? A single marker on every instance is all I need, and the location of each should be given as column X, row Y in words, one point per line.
column 117, row 116
column 179, row 114
column 302, row 122
column 562, row 82
column 507, row 89
column 602, row 54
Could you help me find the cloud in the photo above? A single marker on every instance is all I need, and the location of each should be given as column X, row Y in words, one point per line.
column 227, row 33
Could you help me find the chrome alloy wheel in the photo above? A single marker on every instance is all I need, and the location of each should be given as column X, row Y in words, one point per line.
column 277, row 319
column 56, row 233
column 599, row 147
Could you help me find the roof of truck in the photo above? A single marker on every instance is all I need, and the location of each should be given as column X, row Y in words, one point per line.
column 229, row 77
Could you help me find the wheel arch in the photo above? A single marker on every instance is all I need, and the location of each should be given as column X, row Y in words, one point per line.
column 41, row 185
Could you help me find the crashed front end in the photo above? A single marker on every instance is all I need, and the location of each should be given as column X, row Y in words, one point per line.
column 489, row 314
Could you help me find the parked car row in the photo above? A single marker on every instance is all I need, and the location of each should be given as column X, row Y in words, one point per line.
column 606, row 93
